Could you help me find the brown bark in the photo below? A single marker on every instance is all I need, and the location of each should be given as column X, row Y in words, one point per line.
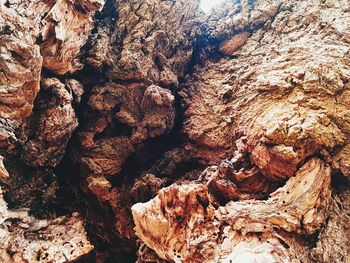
column 273, row 105
column 26, row 239
column 35, row 126
column 183, row 224
column 192, row 137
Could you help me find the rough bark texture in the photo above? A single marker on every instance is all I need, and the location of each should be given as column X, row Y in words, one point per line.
column 37, row 119
column 177, row 135
column 183, row 223
column 270, row 107
column 26, row 239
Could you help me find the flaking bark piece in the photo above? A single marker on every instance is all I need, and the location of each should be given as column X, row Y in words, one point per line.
column 300, row 206
column 181, row 224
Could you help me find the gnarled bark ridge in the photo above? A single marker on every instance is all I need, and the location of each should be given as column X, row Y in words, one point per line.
column 188, row 136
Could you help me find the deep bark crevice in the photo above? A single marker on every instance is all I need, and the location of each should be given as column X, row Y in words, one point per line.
column 177, row 136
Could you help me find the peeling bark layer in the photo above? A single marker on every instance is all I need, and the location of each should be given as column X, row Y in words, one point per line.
column 183, row 223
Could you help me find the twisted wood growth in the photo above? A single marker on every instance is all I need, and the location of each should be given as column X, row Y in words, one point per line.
column 37, row 119
column 219, row 137
column 184, row 224
column 275, row 110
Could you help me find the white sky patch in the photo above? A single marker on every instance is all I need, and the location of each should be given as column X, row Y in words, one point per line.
column 207, row 5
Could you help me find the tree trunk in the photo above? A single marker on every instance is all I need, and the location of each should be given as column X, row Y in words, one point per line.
column 177, row 135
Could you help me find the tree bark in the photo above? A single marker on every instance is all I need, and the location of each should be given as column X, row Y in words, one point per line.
column 190, row 137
